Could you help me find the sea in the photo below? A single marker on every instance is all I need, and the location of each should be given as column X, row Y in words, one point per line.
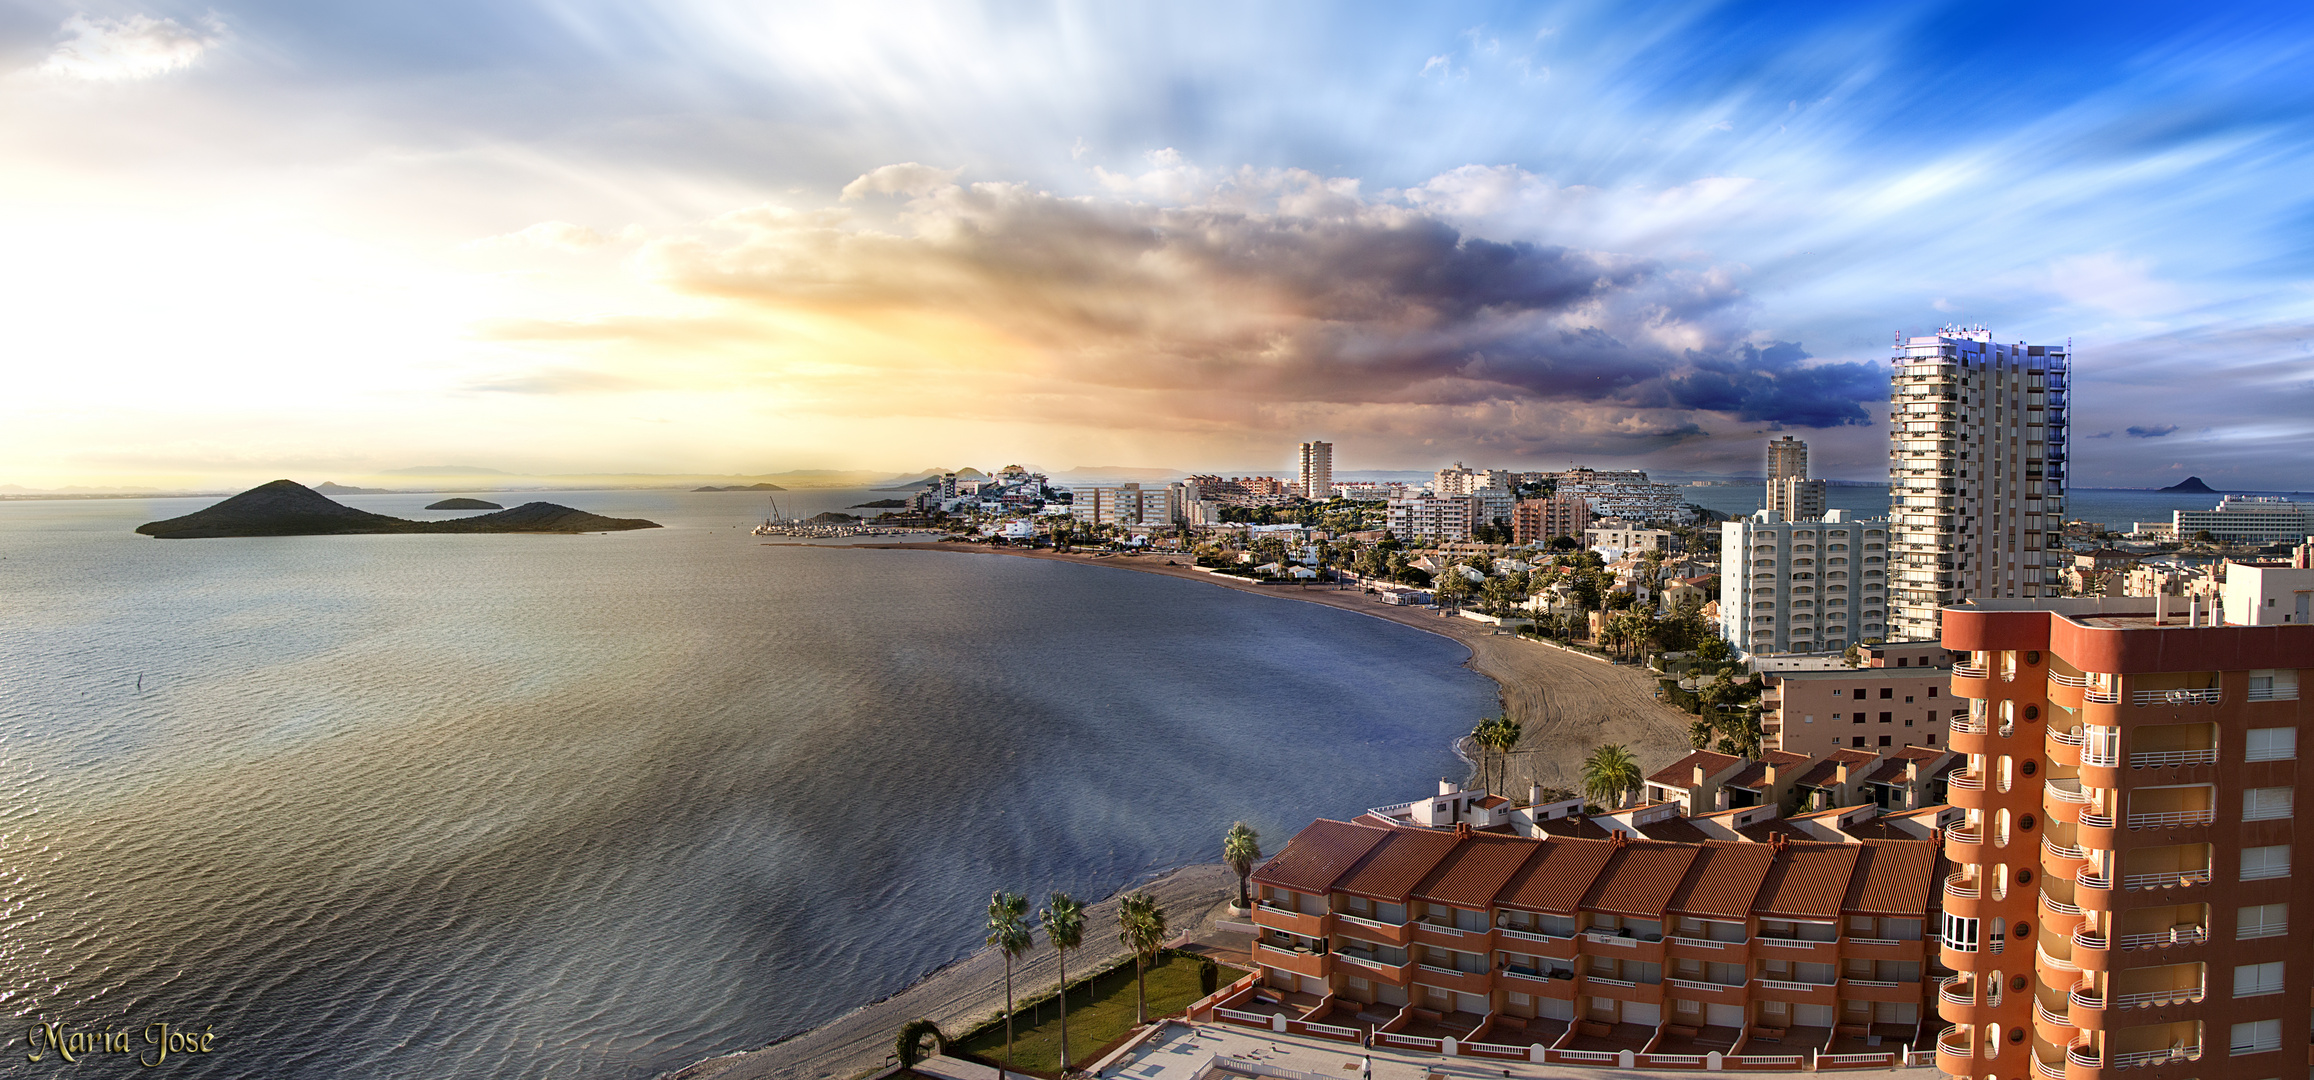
column 601, row 806
column 2115, row 508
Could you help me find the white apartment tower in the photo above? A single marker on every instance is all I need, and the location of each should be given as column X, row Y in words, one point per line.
column 1976, row 473
column 1802, row 586
column 1317, row 477
column 1791, row 496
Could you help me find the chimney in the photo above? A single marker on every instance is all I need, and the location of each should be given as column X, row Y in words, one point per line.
column 2193, row 609
column 1840, row 772
column 1447, row 787
column 1699, row 776
column 1535, row 794
column 1771, row 776
column 2160, row 605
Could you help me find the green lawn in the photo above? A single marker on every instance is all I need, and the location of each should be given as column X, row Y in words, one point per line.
column 1101, row 1011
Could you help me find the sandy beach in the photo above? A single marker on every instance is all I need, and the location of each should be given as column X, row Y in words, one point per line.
column 1567, row 703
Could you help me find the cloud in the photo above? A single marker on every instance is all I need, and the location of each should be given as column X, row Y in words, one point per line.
column 908, row 178
column 136, row 47
column 1280, row 294
column 2136, row 432
column 548, row 235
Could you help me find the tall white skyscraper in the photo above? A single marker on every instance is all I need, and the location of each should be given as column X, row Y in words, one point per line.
column 1976, row 473
column 1317, row 478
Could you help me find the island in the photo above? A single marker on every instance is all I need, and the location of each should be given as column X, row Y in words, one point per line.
column 464, row 504
column 288, row 508
column 742, row 487
column 2192, row 485
column 881, row 504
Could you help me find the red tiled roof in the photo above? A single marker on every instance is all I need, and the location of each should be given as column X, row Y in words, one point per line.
column 1826, row 772
column 1640, row 879
column 1555, row 879
column 1489, row 802
column 1723, row 881
column 1675, row 829
column 1477, row 869
column 1575, row 825
column 1390, row 871
column 1893, row 877
column 1761, row 832
column 1809, row 881
column 1681, row 773
column 1318, row 855
column 1756, row 774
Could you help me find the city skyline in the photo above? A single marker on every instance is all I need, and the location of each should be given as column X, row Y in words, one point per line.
column 251, row 240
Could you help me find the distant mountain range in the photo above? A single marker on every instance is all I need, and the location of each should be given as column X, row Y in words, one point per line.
column 288, row 508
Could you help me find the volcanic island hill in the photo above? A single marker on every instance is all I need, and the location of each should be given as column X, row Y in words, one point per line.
column 464, row 504
column 287, row 508
column 2191, row 484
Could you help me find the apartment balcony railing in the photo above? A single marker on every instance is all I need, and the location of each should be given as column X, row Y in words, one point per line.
column 1965, row 996
column 1360, row 920
column 2086, row 939
column 1703, row 984
column 1968, row 726
column 2084, row 1056
column 1969, row 671
column 2087, row 999
column 2095, row 820
column 2072, row 794
column 1966, row 836
column 2189, row 935
column 2061, row 851
column 2176, row 697
column 2089, row 880
column 1788, row 984
column 2067, row 738
column 1529, row 935
column 2095, row 696
column 2061, row 679
column 2166, row 878
column 1605, row 981
column 2042, row 1013
column 2053, row 963
column 2109, row 757
column 1967, row 781
column 1956, row 886
column 2058, row 906
column 2134, row 1058
column 2271, row 693
column 2184, row 995
column 2047, row 1071
column 1704, row 943
column 1951, row 1041
column 2170, row 759
column 2168, row 819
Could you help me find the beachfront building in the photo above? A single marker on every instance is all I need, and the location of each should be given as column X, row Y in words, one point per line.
column 1802, row 586
column 1898, row 696
column 1132, row 504
column 2122, row 897
column 1540, row 521
column 1574, row 949
column 2246, row 519
column 1317, row 471
column 1976, row 473
column 1628, row 495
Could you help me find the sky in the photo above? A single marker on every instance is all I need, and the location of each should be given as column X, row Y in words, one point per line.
column 242, row 240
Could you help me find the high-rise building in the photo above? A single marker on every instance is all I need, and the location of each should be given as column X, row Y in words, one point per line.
column 1787, row 457
column 1540, row 521
column 1802, row 586
column 1429, row 517
column 1317, row 475
column 1450, row 482
column 1976, row 473
column 2121, row 895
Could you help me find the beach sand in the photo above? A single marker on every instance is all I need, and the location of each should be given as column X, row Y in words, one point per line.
column 1567, row 703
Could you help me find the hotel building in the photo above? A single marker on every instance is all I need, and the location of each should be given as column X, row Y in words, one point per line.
column 1802, row 586
column 2121, row 900
column 1976, row 473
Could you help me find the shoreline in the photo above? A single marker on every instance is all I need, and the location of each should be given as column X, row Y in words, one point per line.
column 1566, row 701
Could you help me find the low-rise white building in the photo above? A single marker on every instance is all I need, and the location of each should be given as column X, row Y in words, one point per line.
column 2269, row 595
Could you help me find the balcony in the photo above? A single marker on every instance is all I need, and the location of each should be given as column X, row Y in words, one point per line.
column 1966, row 781
column 2162, row 939
column 2073, row 794
column 1968, row 726
column 1299, row 961
column 2134, row 1058
column 1516, row 934
column 2171, row 759
column 2062, row 851
column 1268, row 913
column 1372, row 929
column 2059, row 678
column 2094, row 820
column 2095, row 696
column 1970, row 671
column 2088, row 939
column 2054, row 964
column 2156, row 998
column 2088, row 879
column 2181, row 698
column 2167, row 819
column 2165, row 879
column 2067, row 738
column 2047, row 1070
column 1965, row 996
column 1958, row 888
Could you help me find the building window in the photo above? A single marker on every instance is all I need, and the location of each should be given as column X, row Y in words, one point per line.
column 1887, row 692
column 1960, row 935
column 2265, row 803
column 1835, row 691
column 2273, row 744
column 1887, row 718
column 2260, row 863
column 1859, row 718
column 1900, row 662
column 1859, row 741
column 1860, row 693
column 1932, row 738
column 2261, row 920
column 2258, row 980
column 2257, row 1036
column 1884, row 740
column 1932, row 692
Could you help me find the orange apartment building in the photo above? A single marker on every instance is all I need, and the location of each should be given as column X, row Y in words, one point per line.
column 1785, row 954
column 2120, row 904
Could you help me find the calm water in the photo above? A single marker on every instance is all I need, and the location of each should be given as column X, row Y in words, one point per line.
column 451, row 806
column 2116, row 508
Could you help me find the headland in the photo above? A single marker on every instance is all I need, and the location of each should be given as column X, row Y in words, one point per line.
column 288, row 508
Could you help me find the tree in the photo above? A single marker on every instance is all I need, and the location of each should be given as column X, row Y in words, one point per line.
column 911, row 1043
column 1450, row 584
column 1713, row 650
column 1241, row 848
column 1608, row 773
column 1503, row 740
column 1008, row 931
column 1699, row 735
column 1141, row 927
column 1065, row 928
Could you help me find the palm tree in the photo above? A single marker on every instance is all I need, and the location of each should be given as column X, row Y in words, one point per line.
column 1608, row 773
column 1065, row 928
column 1241, row 848
column 1008, row 931
column 1482, row 740
column 1506, row 740
column 1141, row 927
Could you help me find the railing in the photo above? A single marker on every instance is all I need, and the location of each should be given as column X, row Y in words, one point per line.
column 1700, row 984
column 2163, row 938
column 2272, row 693
column 2053, row 962
column 1330, row 1030
column 2109, row 757
column 1444, row 928
column 2067, row 738
column 1414, row 1042
column 2083, row 939
column 2073, row 794
column 1243, row 1017
column 2171, row 819
column 1968, row 726
column 2062, row 679
column 1392, row 970
column 2135, row 1058
column 1702, row 943
column 1945, row 1042
column 1967, row 781
column 1874, row 941
column 2166, row 878
column 1361, row 920
column 1958, row 997
column 1447, row 970
column 2061, row 851
column 2176, row 697
column 1955, row 887
column 1527, row 935
column 2096, row 820
column 2042, row 1013
column 1596, row 1057
column 2047, row 1071
column 1612, row 938
column 2170, row 759
column 2086, row 1058
column 2094, row 696
column 1790, row 943
column 2088, row 880
column 1965, row 836
column 2182, row 995
column 1605, row 981
column 1969, row 671
column 2086, row 1000
column 1787, row 984
column 2059, row 906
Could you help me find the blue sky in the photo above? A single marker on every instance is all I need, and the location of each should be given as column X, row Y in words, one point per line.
column 748, row 237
